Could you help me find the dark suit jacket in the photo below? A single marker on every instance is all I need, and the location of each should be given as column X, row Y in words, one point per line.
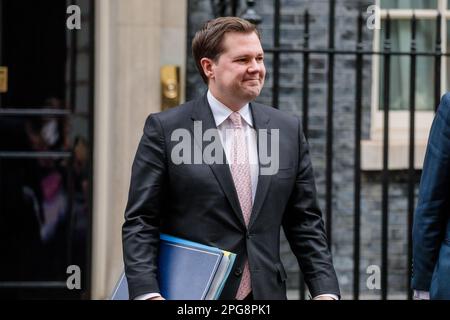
column 431, row 230
column 199, row 202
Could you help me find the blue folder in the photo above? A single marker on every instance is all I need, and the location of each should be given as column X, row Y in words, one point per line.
column 187, row 271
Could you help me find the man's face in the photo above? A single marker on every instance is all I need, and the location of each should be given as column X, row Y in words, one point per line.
column 237, row 77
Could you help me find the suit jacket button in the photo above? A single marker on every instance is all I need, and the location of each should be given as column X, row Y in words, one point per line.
column 238, row 272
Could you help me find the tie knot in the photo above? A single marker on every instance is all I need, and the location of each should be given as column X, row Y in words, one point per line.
column 236, row 119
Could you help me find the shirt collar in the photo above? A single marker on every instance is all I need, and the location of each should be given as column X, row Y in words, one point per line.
column 221, row 112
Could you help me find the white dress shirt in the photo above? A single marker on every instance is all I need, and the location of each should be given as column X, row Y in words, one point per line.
column 224, row 125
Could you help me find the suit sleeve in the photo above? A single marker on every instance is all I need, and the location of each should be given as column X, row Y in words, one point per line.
column 432, row 205
column 304, row 228
column 146, row 199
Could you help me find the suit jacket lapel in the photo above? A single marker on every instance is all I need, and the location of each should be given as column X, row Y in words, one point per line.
column 260, row 121
column 202, row 112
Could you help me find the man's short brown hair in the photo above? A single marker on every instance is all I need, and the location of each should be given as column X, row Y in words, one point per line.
column 208, row 41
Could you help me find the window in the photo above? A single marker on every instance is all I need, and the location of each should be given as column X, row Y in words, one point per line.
column 401, row 13
column 408, row 4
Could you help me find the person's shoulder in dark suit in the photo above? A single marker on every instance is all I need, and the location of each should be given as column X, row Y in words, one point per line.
column 444, row 107
column 278, row 118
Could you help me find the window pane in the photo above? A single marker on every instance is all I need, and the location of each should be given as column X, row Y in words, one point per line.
column 400, row 65
column 408, row 4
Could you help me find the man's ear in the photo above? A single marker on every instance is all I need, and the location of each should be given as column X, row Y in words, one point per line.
column 207, row 66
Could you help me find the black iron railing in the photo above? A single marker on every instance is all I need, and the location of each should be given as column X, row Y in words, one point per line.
column 359, row 54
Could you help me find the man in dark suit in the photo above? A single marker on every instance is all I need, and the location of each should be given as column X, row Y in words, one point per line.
column 239, row 204
column 431, row 230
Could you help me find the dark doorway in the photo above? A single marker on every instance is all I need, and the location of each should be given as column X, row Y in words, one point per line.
column 45, row 149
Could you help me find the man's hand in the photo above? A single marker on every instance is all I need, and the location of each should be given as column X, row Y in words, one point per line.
column 421, row 295
column 323, row 298
column 157, row 298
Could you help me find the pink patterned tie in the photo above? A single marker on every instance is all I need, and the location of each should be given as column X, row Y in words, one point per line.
column 240, row 170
